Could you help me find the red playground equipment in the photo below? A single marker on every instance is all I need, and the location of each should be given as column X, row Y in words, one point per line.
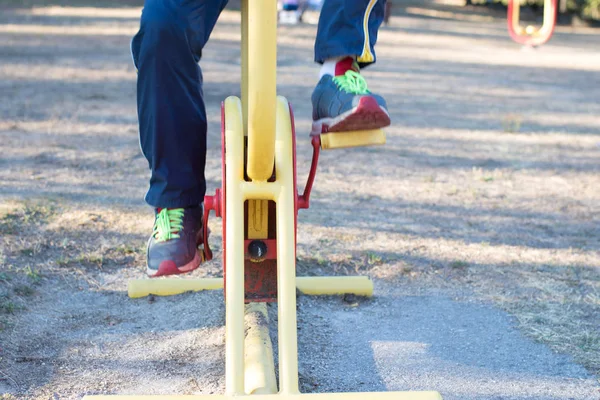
column 530, row 35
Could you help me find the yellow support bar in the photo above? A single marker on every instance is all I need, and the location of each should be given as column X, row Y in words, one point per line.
column 260, row 190
column 170, row 286
column 309, row 285
column 335, row 285
column 234, row 251
column 259, row 365
column 286, row 252
column 244, row 56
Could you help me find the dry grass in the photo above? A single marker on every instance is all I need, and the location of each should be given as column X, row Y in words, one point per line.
column 18, row 279
column 28, row 216
column 563, row 313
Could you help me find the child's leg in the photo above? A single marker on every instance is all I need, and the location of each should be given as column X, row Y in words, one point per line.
column 345, row 41
column 342, row 32
column 171, row 112
column 172, row 120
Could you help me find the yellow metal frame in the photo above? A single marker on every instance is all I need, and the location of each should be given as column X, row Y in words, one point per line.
column 281, row 191
column 249, row 359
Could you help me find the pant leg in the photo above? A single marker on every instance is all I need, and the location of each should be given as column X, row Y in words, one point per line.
column 349, row 28
column 171, row 112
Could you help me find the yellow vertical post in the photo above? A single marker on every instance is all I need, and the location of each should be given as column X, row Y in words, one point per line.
column 234, row 252
column 244, row 55
column 286, row 257
column 262, row 65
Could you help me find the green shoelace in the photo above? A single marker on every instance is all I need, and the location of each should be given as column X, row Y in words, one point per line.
column 352, row 82
column 167, row 225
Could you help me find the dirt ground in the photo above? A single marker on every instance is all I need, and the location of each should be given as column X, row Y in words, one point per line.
column 479, row 220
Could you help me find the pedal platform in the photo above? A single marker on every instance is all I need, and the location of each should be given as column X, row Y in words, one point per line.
column 341, row 140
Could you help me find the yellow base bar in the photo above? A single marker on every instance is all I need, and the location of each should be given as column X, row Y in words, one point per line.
column 332, row 285
column 171, row 286
column 300, row 396
column 340, row 140
column 259, row 363
column 322, row 285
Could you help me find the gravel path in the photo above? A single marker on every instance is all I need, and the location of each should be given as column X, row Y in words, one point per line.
column 464, row 350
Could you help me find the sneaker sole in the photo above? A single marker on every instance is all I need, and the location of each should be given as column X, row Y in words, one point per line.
column 368, row 114
column 168, row 267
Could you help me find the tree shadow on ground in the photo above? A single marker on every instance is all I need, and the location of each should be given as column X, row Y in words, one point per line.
column 398, row 333
column 466, row 224
column 473, row 344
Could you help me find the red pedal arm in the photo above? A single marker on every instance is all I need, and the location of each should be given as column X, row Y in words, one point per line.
column 210, row 203
column 304, row 199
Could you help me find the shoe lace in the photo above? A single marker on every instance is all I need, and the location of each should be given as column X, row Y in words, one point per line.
column 352, row 82
column 168, row 223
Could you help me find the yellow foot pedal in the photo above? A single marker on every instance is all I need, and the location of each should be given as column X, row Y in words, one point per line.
column 341, row 140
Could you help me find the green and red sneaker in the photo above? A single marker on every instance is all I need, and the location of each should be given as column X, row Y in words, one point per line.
column 173, row 246
column 344, row 103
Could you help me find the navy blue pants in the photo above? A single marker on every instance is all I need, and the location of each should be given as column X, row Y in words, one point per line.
column 171, row 111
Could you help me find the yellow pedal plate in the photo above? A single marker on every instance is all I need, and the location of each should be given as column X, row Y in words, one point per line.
column 341, row 140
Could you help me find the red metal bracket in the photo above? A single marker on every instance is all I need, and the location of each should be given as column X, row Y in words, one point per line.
column 304, row 198
column 210, row 203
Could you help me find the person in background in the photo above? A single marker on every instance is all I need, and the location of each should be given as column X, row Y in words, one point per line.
column 292, row 11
